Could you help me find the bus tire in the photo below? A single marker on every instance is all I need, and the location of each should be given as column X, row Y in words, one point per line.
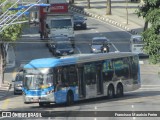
column 119, row 91
column 70, row 99
column 110, row 92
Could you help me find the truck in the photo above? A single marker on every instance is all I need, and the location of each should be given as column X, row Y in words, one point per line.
column 57, row 19
column 60, row 24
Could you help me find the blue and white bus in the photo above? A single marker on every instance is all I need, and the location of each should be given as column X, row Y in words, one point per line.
column 79, row 77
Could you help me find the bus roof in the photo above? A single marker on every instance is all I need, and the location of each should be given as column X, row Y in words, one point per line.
column 73, row 59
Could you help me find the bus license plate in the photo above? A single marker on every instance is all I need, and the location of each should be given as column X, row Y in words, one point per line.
column 64, row 53
column 35, row 99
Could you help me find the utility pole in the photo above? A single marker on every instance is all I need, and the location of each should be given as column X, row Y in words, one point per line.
column 108, row 9
column 127, row 10
column 89, row 6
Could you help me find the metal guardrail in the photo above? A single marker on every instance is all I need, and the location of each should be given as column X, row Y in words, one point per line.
column 7, row 21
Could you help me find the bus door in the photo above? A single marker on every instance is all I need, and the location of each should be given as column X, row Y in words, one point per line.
column 81, row 82
column 99, row 79
column 90, row 79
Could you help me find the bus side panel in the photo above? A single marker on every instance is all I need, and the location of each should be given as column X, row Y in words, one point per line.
column 61, row 95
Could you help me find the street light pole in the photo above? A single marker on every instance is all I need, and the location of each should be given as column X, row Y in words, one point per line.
column 127, row 10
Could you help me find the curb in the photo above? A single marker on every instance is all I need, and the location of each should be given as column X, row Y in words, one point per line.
column 90, row 14
column 8, row 87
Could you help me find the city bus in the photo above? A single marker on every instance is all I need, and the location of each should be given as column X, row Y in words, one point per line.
column 78, row 77
column 136, row 45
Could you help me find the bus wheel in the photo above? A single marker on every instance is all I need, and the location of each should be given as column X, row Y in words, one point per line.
column 110, row 92
column 70, row 99
column 119, row 91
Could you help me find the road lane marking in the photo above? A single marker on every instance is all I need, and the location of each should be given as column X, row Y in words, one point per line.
column 114, row 47
column 78, row 50
column 5, row 104
column 132, row 106
column 150, row 85
column 151, row 88
column 134, row 118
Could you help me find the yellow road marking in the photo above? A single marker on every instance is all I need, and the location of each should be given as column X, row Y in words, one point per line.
column 5, row 104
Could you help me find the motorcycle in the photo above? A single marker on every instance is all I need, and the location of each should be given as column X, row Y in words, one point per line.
column 105, row 49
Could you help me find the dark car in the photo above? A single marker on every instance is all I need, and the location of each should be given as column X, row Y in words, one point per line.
column 55, row 39
column 97, row 43
column 62, row 48
column 79, row 22
column 18, row 83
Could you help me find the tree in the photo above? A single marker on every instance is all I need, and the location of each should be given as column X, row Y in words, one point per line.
column 10, row 33
column 108, row 9
column 89, row 5
column 151, row 36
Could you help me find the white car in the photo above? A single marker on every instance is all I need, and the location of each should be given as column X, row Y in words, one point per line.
column 97, row 43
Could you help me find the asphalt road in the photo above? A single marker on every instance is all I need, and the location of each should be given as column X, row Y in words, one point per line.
column 145, row 99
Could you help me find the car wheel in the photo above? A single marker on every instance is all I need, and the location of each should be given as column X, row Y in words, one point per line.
column 110, row 92
column 15, row 93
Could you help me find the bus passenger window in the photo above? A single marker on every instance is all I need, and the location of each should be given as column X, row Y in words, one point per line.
column 64, row 76
column 121, row 67
column 73, row 80
column 107, row 70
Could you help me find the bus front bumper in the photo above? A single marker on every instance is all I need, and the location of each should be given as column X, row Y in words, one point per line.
column 37, row 99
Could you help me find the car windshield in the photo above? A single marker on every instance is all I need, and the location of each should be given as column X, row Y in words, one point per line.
column 38, row 81
column 64, row 46
column 19, row 77
column 99, row 41
column 78, row 18
column 137, row 40
column 64, row 23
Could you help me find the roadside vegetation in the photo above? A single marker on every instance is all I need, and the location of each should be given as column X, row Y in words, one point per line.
column 151, row 36
column 10, row 33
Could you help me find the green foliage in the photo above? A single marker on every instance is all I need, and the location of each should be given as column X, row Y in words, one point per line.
column 151, row 37
column 12, row 32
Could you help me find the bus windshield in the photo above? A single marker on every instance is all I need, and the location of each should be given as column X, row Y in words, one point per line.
column 137, row 40
column 61, row 23
column 34, row 82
